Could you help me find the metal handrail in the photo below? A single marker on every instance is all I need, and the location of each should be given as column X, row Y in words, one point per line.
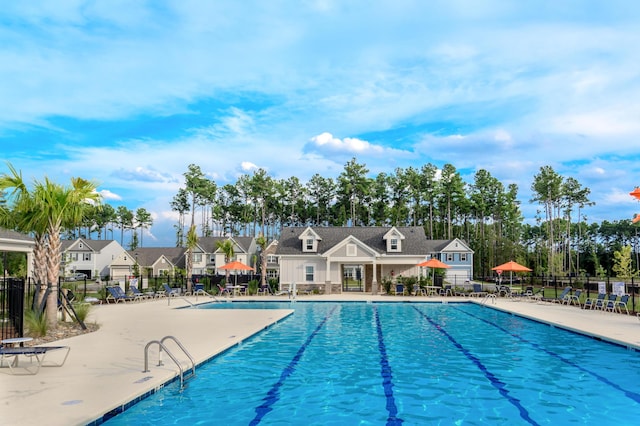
column 193, row 363
column 164, row 348
column 146, row 360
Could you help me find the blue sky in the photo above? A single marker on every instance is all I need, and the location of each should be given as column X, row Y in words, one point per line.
column 128, row 94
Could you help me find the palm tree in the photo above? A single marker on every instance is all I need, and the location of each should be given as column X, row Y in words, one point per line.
column 61, row 207
column 226, row 247
column 46, row 211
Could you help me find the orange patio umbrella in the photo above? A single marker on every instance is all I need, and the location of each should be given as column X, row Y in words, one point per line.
column 236, row 266
column 434, row 264
column 512, row 267
column 635, row 193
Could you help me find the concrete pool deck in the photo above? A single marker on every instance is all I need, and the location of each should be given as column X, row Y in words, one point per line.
column 104, row 369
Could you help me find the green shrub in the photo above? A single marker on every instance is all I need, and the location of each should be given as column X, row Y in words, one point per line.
column 35, row 323
column 253, row 287
column 82, row 310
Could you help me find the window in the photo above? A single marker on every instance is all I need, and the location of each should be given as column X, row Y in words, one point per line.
column 272, row 258
column 197, row 257
column 393, row 244
column 463, row 257
column 86, row 256
column 449, row 257
column 308, row 273
column 309, row 244
column 352, row 250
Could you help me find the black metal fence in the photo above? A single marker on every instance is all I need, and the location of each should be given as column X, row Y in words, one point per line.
column 12, row 301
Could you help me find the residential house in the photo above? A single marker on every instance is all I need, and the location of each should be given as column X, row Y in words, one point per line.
column 327, row 258
column 91, row 257
column 273, row 265
column 455, row 253
column 244, row 249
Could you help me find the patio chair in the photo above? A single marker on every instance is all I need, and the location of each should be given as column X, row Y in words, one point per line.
column 594, row 303
column 610, row 303
column 446, row 291
column 223, row 290
column 264, row 290
column 116, row 294
column 622, row 303
column 574, row 298
column 399, row 289
column 140, row 295
column 477, row 291
column 37, row 352
column 560, row 299
column 199, row 289
column 170, row 292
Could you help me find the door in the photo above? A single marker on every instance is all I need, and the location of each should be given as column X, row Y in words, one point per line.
column 352, row 278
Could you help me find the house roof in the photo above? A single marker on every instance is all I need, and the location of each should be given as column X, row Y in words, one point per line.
column 14, row 235
column 147, row 256
column 414, row 243
column 208, row 244
column 91, row 245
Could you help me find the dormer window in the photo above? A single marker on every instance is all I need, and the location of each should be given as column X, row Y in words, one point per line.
column 309, row 241
column 394, row 240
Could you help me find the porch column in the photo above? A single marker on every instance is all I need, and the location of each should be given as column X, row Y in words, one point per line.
column 374, row 282
column 327, row 278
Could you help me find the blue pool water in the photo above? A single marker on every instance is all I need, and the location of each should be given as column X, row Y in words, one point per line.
column 403, row 363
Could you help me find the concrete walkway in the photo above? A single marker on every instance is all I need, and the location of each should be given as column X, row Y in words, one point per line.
column 105, row 368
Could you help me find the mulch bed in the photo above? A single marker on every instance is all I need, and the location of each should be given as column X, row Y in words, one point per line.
column 63, row 331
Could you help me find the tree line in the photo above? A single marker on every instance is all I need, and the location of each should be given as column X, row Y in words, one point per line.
column 484, row 212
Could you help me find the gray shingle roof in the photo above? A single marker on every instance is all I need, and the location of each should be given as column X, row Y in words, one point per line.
column 13, row 235
column 146, row 256
column 415, row 242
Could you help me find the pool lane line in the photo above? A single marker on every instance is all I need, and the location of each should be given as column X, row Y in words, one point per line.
column 493, row 379
column 273, row 395
column 630, row 394
column 387, row 375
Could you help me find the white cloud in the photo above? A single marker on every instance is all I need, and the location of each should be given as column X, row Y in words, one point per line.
column 109, row 196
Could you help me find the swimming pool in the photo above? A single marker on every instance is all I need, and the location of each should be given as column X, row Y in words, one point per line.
column 404, row 363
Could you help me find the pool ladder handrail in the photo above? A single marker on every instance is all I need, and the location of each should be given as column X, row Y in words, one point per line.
column 489, row 296
column 163, row 347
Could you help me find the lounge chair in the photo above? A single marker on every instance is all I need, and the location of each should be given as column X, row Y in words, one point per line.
column 622, row 303
column 610, row 303
column 574, row 298
column 116, row 294
column 170, row 292
column 140, row 295
column 560, row 299
column 477, row 290
column 594, row 303
column 37, row 352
